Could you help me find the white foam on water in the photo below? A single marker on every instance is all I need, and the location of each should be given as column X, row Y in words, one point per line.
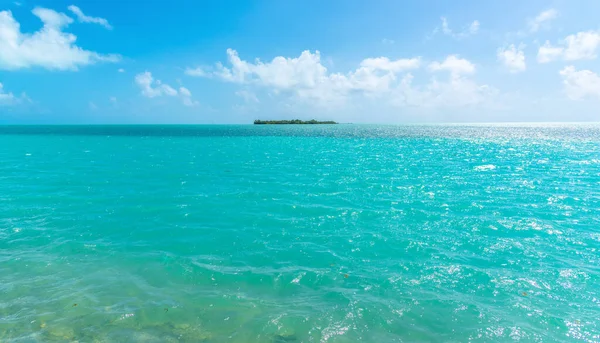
column 485, row 167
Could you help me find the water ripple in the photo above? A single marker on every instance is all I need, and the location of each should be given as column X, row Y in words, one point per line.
column 300, row 234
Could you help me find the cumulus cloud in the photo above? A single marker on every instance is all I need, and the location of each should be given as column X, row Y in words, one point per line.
column 579, row 46
column 152, row 88
column 281, row 72
column 454, row 65
column 49, row 47
column 186, row 97
column 87, row 19
column 9, row 99
column 580, row 84
column 582, row 46
column 121, row 70
column 542, row 20
column 548, row 53
column 470, row 30
column 513, row 58
column 306, row 78
column 385, row 64
column 457, row 91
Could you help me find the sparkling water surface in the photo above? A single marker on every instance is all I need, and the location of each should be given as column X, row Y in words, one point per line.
column 325, row 233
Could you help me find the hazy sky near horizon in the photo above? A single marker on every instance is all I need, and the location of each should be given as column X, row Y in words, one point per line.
column 347, row 60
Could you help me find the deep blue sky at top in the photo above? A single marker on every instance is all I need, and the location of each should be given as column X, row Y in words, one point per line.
column 473, row 80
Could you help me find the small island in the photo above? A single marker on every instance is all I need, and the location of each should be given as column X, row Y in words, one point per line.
column 293, row 121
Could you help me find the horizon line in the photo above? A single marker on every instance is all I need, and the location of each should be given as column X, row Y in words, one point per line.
column 339, row 123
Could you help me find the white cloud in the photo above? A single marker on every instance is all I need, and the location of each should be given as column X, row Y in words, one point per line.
column 470, row 30
column 387, row 41
column 87, row 19
column 121, row 70
column 186, row 97
column 152, row 88
column 548, row 53
column 542, row 19
column 513, row 58
column 199, row 71
column 185, row 92
column 113, row 99
column 579, row 46
column 305, row 78
column 281, row 72
column 454, row 65
column 9, row 99
column 582, row 46
column 580, row 84
column 306, row 71
column 457, row 91
column 48, row 47
column 385, row 64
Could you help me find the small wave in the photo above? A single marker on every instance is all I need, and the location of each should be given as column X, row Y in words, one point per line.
column 485, row 167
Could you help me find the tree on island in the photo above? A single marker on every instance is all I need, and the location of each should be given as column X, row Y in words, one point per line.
column 293, row 121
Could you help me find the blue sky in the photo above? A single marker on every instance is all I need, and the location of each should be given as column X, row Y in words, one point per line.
column 350, row 61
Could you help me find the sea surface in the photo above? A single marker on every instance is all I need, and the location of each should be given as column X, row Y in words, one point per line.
column 285, row 234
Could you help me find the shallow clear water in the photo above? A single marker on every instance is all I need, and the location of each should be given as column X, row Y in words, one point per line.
column 300, row 233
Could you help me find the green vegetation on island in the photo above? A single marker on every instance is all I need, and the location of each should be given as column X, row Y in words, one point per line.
column 293, row 121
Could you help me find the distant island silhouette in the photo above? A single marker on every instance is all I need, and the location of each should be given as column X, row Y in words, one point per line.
column 293, row 121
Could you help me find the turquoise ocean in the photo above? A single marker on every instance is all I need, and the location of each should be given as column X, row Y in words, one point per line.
column 324, row 233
